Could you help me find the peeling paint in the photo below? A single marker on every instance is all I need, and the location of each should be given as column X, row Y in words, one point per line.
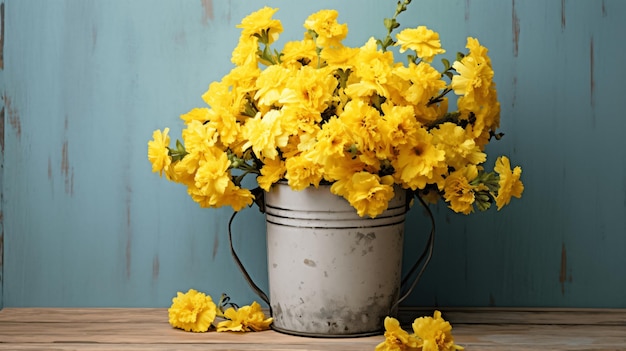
column 2, row 130
column 516, row 30
column 216, row 245
column 592, row 80
column 1, row 243
column 14, row 117
column 129, row 232
column 467, row 10
column 155, row 267
column 562, row 14
column 207, row 15
column 514, row 99
column 563, row 276
column 1, row 36
column 66, row 170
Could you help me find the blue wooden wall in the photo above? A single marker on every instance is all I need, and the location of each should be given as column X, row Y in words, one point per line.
column 84, row 222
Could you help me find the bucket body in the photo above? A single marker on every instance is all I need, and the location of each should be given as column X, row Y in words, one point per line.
column 331, row 272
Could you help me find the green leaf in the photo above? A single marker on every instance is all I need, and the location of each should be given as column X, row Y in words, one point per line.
column 446, row 64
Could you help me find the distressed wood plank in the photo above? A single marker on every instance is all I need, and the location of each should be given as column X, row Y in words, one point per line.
column 147, row 329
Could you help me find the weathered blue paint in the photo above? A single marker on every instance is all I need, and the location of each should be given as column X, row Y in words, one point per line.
column 86, row 82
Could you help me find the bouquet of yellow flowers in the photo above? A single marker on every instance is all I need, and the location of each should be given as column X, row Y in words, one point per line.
column 353, row 117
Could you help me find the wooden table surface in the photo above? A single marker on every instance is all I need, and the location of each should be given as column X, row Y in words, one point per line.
column 148, row 329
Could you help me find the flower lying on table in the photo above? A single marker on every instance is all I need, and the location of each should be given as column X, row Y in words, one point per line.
column 321, row 112
column 195, row 311
column 430, row 334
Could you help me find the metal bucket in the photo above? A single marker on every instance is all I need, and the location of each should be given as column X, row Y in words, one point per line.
column 331, row 272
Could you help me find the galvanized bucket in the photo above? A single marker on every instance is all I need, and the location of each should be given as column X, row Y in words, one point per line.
column 331, row 272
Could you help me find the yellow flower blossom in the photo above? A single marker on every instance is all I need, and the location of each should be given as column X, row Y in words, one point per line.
column 296, row 52
column 419, row 162
column 434, row 333
column 244, row 319
column 235, row 197
column 302, row 172
column 264, row 134
column 368, row 193
column 245, row 53
column 310, row 89
column 460, row 149
column 510, row 183
column 271, row 172
column 158, row 153
column 422, row 40
column 351, row 116
column 458, row 191
column 199, row 137
column 372, row 69
column 324, row 24
column 260, row 22
column 396, row 338
column 475, row 73
column 192, row 311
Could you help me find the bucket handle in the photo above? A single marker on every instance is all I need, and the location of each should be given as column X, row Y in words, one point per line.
column 243, row 270
column 423, row 260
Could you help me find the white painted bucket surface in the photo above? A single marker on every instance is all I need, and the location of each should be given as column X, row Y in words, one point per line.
column 331, row 272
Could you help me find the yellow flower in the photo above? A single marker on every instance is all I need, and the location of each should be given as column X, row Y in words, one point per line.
column 264, row 134
column 192, row 311
column 199, row 137
column 510, row 183
column 271, row 172
column 459, row 148
column 419, row 162
column 458, row 191
column 260, row 22
column 421, row 82
column 244, row 319
column 270, row 84
column 422, row 40
column 475, row 73
column 158, row 153
column 372, row 69
column 396, row 338
column 296, row 52
column 324, row 24
column 245, row 53
column 302, row 172
column 309, row 89
column 235, row 197
column 196, row 114
column 212, row 177
column 434, row 333
column 368, row 193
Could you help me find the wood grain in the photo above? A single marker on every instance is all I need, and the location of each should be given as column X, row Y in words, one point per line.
column 147, row 329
